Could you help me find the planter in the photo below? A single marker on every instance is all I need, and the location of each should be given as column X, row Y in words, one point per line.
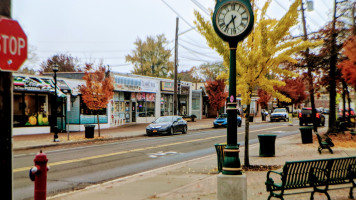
column 306, row 134
column 267, row 145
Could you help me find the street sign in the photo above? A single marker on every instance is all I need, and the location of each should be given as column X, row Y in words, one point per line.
column 13, row 45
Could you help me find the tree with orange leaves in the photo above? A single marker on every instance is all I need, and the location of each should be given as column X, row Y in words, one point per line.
column 216, row 93
column 98, row 88
column 348, row 66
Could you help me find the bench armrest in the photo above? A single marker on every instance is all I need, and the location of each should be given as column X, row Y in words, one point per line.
column 270, row 182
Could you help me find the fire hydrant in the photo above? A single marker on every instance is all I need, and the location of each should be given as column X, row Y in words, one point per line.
column 38, row 173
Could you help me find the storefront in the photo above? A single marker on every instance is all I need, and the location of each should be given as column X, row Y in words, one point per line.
column 78, row 114
column 197, row 103
column 184, row 96
column 32, row 110
column 134, row 101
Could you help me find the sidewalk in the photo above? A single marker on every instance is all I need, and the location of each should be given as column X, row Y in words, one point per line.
column 197, row 179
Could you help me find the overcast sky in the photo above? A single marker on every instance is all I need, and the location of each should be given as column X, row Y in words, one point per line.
column 94, row 30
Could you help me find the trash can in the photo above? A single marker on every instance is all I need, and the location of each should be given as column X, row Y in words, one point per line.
column 89, row 131
column 250, row 118
column 267, row 145
column 307, row 134
column 220, row 154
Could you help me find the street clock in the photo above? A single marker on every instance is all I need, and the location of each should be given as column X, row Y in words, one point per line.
column 233, row 20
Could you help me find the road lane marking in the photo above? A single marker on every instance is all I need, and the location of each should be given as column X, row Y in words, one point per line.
column 132, row 151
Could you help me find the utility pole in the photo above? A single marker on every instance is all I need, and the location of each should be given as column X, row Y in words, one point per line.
column 175, row 96
column 6, row 118
column 310, row 77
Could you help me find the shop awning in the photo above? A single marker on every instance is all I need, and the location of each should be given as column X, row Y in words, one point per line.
column 35, row 84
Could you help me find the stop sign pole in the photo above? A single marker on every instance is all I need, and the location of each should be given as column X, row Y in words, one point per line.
column 13, row 45
column 13, row 53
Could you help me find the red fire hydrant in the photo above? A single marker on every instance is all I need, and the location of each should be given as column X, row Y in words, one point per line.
column 38, row 173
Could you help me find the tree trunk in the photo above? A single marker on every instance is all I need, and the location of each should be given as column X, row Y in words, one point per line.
column 332, row 74
column 97, row 117
column 247, row 131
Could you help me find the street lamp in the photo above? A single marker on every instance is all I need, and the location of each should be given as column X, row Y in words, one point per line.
column 55, row 137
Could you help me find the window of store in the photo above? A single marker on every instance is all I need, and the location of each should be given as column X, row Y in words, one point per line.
column 146, row 104
column 84, row 110
column 30, row 109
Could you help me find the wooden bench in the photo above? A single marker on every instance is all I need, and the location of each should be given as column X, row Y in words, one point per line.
column 324, row 144
column 312, row 174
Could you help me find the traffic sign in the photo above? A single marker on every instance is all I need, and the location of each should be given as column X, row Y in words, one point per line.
column 13, row 45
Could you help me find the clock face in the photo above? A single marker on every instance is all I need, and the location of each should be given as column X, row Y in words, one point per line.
column 232, row 18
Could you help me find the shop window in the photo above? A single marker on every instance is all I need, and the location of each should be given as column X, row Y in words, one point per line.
column 196, row 104
column 30, row 110
column 84, row 110
column 145, row 104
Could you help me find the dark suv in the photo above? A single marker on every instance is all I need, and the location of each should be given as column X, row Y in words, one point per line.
column 305, row 117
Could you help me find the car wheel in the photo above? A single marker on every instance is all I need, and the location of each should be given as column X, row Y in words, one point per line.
column 148, row 134
column 172, row 131
column 185, row 130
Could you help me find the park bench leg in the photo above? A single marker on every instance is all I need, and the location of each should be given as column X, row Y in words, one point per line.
column 331, row 151
column 351, row 196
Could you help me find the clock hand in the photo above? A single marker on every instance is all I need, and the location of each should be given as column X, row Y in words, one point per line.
column 227, row 25
column 233, row 21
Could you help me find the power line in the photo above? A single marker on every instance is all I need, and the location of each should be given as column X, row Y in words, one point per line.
column 206, row 11
column 178, row 14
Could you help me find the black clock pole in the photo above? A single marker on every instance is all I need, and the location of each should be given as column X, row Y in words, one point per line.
column 232, row 165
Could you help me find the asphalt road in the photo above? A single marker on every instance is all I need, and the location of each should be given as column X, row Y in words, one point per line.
column 78, row 167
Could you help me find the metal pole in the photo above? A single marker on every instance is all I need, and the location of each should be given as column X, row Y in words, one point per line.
column 232, row 165
column 55, row 137
column 6, row 119
column 175, row 97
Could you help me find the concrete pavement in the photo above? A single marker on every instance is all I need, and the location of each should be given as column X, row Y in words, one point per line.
column 197, row 179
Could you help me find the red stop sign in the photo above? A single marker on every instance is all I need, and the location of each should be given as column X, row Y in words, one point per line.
column 13, row 45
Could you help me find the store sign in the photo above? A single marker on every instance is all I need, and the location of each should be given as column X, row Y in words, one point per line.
column 167, row 86
column 31, row 84
column 148, row 86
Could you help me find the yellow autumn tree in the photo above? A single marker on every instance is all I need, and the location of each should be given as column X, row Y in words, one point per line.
column 260, row 55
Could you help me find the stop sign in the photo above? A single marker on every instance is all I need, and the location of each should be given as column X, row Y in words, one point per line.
column 13, row 45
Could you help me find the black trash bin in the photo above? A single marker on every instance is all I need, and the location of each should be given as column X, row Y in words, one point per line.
column 250, row 118
column 89, row 131
column 267, row 145
column 220, row 154
column 307, row 134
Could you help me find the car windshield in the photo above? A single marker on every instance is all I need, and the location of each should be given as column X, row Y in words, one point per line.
column 279, row 110
column 223, row 116
column 164, row 119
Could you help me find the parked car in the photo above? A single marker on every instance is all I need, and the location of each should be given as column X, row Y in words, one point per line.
column 326, row 111
column 340, row 113
column 221, row 121
column 305, row 117
column 167, row 125
column 279, row 114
